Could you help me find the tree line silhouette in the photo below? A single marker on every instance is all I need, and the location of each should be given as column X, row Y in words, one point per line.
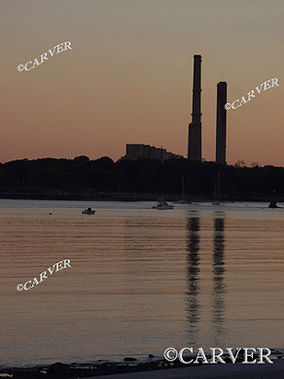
column 82, row 178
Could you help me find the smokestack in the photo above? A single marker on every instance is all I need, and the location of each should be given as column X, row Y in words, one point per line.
column 194, row 128
column 221, row 123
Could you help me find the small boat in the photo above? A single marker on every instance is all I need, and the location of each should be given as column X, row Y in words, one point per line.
column 216, row 203
column 88, row 211
column 273, row 204
column 182, row 202
column 163, row 205
column 273, row 201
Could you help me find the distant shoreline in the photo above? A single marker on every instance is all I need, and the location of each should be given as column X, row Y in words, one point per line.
column 141, row 180
column 124, row 196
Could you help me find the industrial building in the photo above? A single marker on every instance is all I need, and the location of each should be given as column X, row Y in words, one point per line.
column 140, row 151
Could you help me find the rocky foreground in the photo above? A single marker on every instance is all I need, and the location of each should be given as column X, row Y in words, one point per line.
column 128, row 365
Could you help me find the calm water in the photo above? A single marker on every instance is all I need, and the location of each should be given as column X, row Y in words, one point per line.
column 141, row 279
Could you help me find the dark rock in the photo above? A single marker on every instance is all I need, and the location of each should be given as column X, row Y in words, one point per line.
column 130, row 359
column 151, row 356
column 59, row 368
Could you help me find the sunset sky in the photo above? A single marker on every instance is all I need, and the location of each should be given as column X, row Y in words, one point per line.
column 128, row 78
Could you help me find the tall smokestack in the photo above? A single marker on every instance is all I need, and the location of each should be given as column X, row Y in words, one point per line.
column 194, row 128
column 221, row 124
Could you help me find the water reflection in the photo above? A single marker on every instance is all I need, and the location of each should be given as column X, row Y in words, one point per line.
column 193, row 226
column 218, row 306
column 193, row 270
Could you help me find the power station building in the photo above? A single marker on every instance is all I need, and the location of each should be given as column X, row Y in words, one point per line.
column 140, row 151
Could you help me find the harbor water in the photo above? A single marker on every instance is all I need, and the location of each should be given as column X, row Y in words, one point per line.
column 141, row 279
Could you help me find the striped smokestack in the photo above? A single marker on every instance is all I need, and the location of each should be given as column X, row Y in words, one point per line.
column 221, row 123
column 194, row 128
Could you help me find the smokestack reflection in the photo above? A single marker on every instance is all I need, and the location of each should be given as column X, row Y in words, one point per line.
column 218, row 306
column 193, row 226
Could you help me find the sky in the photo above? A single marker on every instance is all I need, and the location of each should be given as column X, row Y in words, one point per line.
column 128, row 77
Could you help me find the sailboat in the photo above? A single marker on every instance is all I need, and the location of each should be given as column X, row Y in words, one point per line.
column 182, row 201
column 217, row 191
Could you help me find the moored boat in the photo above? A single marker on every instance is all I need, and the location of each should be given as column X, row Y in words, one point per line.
column 88, row 211
column 163, row 205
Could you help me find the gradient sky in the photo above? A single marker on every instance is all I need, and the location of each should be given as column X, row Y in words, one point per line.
column 128, row 78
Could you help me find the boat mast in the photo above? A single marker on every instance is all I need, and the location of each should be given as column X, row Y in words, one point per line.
column 182, row 186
